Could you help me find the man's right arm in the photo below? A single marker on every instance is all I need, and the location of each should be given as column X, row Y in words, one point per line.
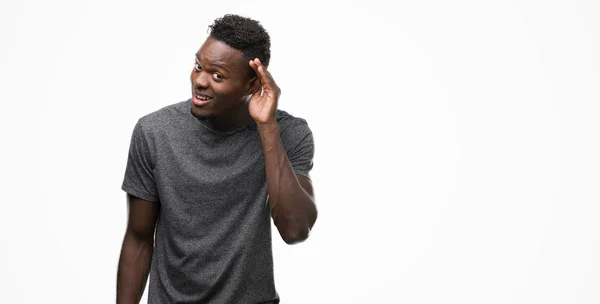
column 137, row 249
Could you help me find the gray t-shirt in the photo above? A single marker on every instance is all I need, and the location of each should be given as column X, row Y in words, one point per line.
column 213, row 235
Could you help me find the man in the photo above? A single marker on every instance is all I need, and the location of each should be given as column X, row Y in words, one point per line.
column 209, row 173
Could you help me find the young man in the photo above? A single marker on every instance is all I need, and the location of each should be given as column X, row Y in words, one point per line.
column 208, row 173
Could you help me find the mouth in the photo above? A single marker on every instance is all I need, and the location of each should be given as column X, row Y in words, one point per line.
column 201, row 99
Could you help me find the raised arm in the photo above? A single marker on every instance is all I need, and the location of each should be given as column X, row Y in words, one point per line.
column 137, row 249
column 291, row 197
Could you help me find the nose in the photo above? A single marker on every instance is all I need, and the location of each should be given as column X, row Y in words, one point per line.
column 201, row 79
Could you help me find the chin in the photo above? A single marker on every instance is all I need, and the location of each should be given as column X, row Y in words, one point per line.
column 201, row 114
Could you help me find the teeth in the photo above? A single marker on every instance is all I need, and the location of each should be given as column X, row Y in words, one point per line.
column 202, row 97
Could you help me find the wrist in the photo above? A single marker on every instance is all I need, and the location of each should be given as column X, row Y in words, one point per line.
column 267, row 127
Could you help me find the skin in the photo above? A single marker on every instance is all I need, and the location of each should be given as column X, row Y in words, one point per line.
column 240, row 91
column 222, row 73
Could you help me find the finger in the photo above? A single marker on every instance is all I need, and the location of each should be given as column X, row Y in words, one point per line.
column 257, row 83
column 265, row 77
column 253, row 65
column 256, row 64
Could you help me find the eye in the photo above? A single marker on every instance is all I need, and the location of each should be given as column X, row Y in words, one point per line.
column 218, row 77
column 197, row 67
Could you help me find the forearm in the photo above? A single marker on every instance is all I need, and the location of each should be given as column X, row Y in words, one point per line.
column 292, row 208
column 134, row 266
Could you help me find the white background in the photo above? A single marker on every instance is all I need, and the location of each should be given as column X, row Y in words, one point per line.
column 457, row 143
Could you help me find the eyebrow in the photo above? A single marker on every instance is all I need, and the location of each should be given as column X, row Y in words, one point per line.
column 215, row 64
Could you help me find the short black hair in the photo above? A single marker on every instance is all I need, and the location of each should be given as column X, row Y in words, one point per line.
column 243, row 34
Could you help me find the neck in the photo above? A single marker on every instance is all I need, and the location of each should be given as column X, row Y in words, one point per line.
column 237, row 115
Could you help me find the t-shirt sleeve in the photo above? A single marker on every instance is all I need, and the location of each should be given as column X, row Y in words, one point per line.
column 139, row 176
column 302, row 154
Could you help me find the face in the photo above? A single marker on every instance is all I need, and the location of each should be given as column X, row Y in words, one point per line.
column 220, row 79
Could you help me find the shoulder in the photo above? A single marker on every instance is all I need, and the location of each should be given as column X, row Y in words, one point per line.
column 293, row 129
column 289, row 123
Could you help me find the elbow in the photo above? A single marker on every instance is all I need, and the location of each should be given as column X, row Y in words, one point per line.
column 295, row 229
column 295, row 236
column 139, row 239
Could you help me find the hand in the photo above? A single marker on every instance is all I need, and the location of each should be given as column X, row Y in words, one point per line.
column 263, row 107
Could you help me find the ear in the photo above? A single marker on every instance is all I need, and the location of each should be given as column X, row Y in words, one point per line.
column 253, row 85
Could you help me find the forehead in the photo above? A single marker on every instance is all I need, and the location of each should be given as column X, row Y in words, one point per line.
column 214, row 51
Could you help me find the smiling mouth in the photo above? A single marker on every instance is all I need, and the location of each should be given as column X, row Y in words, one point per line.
column 200, row 99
